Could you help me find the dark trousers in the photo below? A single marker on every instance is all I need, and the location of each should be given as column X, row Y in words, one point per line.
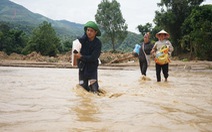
column 84, row 80
column 143, row 67
column 165, row 70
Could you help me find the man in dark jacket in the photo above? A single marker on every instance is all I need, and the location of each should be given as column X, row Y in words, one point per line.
column 88, row 57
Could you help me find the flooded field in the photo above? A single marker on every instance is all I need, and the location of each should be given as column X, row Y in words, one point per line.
column 49, row 99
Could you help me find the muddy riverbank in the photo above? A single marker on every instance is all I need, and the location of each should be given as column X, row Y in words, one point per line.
column 64, row 61
column 186, row 65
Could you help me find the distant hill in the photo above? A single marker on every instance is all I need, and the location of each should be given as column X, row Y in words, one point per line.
column 19, row 17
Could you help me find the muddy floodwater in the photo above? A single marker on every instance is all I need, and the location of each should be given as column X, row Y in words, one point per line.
column 49, row 99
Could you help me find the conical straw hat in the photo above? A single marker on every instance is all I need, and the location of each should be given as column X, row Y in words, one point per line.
column 162, row 32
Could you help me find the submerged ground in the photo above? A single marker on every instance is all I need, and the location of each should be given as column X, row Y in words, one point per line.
column 41, row 94
column 49, row 99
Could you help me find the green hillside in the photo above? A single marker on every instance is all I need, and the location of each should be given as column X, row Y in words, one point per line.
column 18, row 15
column 21, row 18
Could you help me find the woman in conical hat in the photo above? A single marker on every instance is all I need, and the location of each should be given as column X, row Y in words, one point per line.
column 162, row 32
column 159, row 45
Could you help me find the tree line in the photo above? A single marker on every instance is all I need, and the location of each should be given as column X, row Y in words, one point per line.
column 188, row 23
column 43, row 40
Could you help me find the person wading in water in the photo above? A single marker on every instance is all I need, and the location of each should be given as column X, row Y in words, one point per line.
column 144, row 55
column 88, row 57
column 162, row 50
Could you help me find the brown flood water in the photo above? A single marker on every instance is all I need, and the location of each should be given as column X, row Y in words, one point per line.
column 45, row 99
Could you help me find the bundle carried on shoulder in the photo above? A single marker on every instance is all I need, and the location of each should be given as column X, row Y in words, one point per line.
column 162, row 56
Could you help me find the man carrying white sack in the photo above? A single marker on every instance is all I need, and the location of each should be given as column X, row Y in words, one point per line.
column 88, row 57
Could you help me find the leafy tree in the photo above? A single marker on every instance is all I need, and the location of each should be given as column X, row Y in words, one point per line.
column 110, row 19
column 43, row 40
column 4, row 31
column 197, row 29
column 18, row 41
column 144, row 29
column 147, row 28
column 11, row 40
column 65, row 46
column 172, row 15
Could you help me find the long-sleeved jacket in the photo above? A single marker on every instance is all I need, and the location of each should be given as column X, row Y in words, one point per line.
column 90, row 52
column 147, row 49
